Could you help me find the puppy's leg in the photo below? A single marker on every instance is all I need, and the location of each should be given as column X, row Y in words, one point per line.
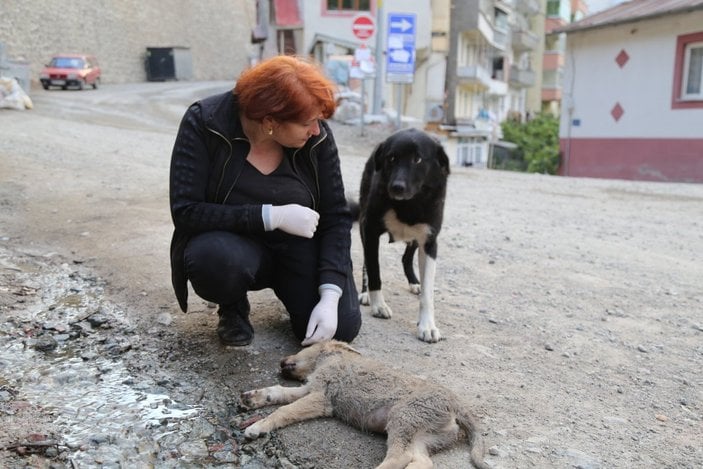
column 426, row 329
column 307, row 407
column 272, row 395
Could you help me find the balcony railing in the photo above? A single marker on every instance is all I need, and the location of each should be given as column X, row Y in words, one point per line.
column 527, row 7
column 475, row 74
column 521, row 78
column 523, row 40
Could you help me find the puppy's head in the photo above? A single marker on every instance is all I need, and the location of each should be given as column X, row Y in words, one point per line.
column 300, row 365
column 410, row 160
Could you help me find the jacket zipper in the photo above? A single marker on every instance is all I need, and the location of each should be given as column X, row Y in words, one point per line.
column 314, row 172
column 224, row 166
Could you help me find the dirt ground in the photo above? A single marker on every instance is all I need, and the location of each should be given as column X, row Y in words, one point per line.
column 572, row 309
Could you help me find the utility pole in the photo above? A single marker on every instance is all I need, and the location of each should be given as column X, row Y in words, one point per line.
column 378, row 80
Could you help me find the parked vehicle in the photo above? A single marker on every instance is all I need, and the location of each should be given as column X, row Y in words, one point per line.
column 75, row 70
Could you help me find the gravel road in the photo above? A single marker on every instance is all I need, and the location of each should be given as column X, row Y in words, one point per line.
column 572, row 310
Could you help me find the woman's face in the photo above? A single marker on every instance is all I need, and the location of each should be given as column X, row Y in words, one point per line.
column 294, row 134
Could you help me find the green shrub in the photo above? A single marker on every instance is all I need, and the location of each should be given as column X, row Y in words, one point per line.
column 537, row 141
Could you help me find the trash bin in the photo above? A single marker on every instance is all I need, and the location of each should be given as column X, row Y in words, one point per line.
column 168, row 63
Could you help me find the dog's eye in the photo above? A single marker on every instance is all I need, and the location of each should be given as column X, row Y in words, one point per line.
column 418, row 159
column 392, row 159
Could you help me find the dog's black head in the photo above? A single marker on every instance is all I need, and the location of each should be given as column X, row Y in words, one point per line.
column 410, row 160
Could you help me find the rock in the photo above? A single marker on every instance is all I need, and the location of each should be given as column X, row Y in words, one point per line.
column 46, row 343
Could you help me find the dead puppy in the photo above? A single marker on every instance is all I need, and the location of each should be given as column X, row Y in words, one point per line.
column 419, row 416
column 402, row 192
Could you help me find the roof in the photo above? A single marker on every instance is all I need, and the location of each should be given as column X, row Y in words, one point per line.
column 629, row 12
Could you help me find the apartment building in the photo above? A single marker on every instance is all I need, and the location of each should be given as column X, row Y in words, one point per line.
column 559, row 13
column 489, row 70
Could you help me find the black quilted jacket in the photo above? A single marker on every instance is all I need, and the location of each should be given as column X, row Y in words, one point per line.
column 207, row 159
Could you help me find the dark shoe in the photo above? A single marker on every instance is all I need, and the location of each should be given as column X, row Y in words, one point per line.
column 234, row 327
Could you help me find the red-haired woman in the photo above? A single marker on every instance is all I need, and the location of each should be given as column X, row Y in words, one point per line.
column 257, row 201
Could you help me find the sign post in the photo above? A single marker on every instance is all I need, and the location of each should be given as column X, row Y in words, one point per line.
column 363, row 67
column 400, row 62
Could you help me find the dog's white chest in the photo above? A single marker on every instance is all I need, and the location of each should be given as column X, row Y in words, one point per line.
column 402, row 232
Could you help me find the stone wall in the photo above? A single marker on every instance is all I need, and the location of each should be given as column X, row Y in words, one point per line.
column 118, row 32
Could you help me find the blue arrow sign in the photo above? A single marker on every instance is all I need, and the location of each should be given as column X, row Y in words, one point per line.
column 400, row 57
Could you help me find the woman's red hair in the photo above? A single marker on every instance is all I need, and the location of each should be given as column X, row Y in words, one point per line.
column 285, row 88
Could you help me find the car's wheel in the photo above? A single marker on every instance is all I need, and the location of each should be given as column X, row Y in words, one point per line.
column 64, row 87
column 45, row 86
column 96, row 83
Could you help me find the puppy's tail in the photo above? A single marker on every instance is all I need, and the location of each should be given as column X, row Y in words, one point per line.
column 354, row 208
column 467, row 423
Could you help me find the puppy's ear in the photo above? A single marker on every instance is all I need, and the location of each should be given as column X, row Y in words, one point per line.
column 443, row 159
column 379, row 156
column 339, row 346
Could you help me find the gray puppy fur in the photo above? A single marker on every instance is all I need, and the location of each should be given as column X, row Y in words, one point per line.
column 418, row 416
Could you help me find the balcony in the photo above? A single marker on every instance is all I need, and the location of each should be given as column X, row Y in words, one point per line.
column 474, row 74
column 495, row 36
column 520, row 78
column 523, row 40
column 527, row 7
column 480, row 77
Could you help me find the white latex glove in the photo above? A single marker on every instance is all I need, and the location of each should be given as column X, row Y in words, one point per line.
column 292, row 218
column 323, row 319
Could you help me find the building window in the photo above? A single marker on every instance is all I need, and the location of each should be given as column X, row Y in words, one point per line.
column 693, row 71
column 348, row 5
column 553, row 8
column 688, row 72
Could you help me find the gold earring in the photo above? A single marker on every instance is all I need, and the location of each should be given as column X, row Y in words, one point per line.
column 270, row 130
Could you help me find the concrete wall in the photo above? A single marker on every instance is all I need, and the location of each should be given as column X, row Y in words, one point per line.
column 118, row 32
column 643, row 86
column 650, row 140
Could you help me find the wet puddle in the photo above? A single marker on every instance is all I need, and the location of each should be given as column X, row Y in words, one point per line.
column 60, row 351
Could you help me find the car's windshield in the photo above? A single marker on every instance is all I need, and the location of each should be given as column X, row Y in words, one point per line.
column 67, row 62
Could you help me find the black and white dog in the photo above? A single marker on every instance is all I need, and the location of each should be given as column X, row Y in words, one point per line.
column 402, row 192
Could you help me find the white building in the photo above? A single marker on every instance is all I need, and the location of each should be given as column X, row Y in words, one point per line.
column 633, row 93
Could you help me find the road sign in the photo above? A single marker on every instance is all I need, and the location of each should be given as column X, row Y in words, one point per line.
column 363, row 27
column 400, row 64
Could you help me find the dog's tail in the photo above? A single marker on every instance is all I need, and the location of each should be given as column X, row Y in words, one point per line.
column 354, row 208
column 467, row 423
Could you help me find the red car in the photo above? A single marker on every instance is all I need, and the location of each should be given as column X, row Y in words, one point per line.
column 77, row 70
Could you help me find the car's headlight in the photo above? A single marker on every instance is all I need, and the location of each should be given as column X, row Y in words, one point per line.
column 44, row 75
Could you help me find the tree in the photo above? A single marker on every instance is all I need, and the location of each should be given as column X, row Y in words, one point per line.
column 537, row 141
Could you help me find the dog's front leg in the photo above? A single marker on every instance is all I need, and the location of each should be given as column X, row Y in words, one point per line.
column 307, row 407
column 426, row 329
column 272, row 395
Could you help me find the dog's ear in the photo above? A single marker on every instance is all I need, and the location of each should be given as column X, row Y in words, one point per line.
column 443, row 159
column 379, row 157
column 339, row 346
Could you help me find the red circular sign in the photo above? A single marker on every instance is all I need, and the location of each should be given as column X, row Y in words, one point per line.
column 363, row 27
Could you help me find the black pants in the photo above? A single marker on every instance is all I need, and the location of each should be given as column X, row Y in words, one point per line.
column 222, row 267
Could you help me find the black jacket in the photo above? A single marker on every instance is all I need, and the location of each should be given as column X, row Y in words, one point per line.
column 208, row 157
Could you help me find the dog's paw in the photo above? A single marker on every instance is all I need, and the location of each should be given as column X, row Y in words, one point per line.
column 382, row 311
column 253, row 399
column 415, row 288
column 364, row 299
column 428, row 334
column 255, row 430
